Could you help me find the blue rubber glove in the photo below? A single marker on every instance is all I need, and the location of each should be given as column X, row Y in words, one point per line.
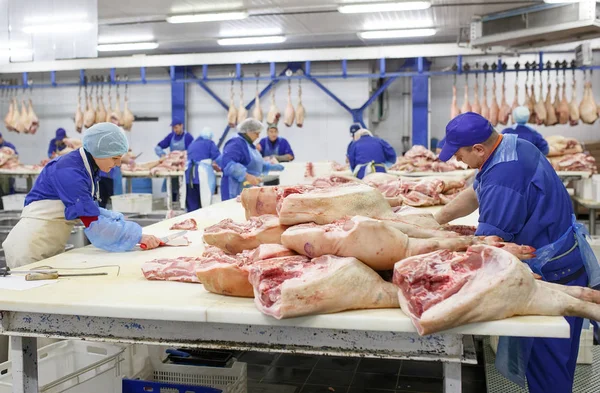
column 159, row 151
column 114, row 236
column 274, row 167
column 112, row 215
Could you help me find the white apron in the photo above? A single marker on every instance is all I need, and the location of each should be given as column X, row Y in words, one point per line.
column 42, row 232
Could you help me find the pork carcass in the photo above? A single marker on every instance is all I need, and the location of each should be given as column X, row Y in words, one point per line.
column 454, row 109
column 556, row 101
column 564, row 111
column 78, row 117
column 588, row 111
column 485, row 109
column 128, row 117
column 26, row 119
column 109, row 110
column 515, row 103
column 476, row 107
column 539, row 107
column 446, row 289
column 504, row 112
column 300, row 111
column 258, row 201
column 274, row 114
column 235, row 238
column 8, row 117
column 530, row 103
column 550, row 111
column 175, row 161
column 33, row 120
column 187, row 225
column 494, row 108
column 466, row 106
column 257, row 112
column 573, row 107
column 290, row 115
column 116, row 116
column 578, row 162
column 334, row 181
column 16, row 117
column 89, row 116
column 309, row 170
column 232, row 114
column 101, row 109
column 22, row 120
column 560, row 145
column 242, row 112
column 328, row 284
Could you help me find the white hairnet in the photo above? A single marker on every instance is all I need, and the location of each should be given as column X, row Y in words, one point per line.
column 104, row 140
column 358, row 134
column 206, row 133
column 521, row 115
column 250, row 125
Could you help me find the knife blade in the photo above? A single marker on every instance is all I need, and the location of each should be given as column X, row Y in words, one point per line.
column 164, row 240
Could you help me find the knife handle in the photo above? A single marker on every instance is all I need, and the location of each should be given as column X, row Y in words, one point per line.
column 41, row 276
column 144, row 247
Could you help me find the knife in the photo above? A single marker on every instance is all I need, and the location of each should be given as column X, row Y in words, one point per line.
column 166, row 239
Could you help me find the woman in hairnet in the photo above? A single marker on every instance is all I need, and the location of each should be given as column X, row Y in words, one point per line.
column 368, row 154
column 523, row 131
column 242, row 164
column 66, row 191
column 200, row 176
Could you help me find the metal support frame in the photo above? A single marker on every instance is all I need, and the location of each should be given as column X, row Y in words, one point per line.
column 177, row 93
column 24, row 364
column 420, row 104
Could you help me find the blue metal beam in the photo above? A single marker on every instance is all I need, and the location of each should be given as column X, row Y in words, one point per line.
column 113, row 77
column 420, row 110
column 177, row 94
column 143, row 74
column 344, row 68
column 53, row 78
column 307, row 68
column 329, row 93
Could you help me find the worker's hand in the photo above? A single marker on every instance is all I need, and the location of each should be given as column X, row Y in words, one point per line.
column 259, row 147
column 216, row 167
column 150, row 241
column 162, row 159
column 255, row 181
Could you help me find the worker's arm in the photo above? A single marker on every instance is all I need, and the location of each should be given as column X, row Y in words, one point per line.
column 51, row 148
column 234, row 160
column 542, row 144
column 464, row 204
column 504, row 212
column 188, row 138
column 389, row 152
column 159, row 149
column 351, row 156
column 287, row 154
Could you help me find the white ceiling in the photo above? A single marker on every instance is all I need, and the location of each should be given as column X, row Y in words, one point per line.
column 306, row 23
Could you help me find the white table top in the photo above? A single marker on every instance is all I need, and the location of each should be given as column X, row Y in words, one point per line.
column 21, row 171
column 131, row 296
column 147, row 174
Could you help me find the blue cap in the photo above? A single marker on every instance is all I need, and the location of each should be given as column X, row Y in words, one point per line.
column 176, row 120
column 521, row 115
column 354, row 128
column 465, row 130
column 61, row 133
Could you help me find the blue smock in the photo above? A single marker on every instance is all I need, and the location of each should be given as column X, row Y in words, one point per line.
column 278, row 148
column 441, row 143
column 517, row 208
column 53, row 148
column 529, row 134
column 8, row 144
column 369, row 149
column 199, row 156
column 200, row 149
column 66, row 179
column 174, row 142
column 239, row 158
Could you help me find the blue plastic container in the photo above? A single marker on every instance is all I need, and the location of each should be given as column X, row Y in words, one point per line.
column 137, row 386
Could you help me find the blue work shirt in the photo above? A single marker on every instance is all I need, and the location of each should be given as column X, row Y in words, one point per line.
column 235, row 151
column 529, row 134
column 523, row 201
column 53, row 148
column 8, row 144
column 167, row 141
column 200, row 149
column 66, row 179
column 278, row 148
column 369, row 148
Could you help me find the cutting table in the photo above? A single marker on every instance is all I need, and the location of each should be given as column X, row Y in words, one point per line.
column 125, row 307
column 29, row 172
column 165, row 175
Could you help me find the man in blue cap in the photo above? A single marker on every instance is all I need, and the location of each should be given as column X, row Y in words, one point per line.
column 522, row 130
column 178, row 140
column 368, row 154
column 57, row 144
column 522, row 200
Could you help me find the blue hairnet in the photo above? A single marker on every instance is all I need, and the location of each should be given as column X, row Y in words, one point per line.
column 61, row 133
column 250, row 125
column 521, row 115
column 206, row 133
column 104, row 140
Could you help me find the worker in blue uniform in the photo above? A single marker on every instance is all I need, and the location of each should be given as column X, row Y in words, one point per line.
column 368, row 154
column 242, row 164
column 4, row 143
column 67, row 191
column 57, row 144
column 522, row 200
column 177, row 140
column 440, row 145
column 200, row 176
column 523, row 131
column 274, row 146
column 7, row 185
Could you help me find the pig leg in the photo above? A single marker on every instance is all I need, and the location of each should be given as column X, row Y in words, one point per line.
column 581, row 293
column 547, row 300
column 424, row 246
column 416, row 231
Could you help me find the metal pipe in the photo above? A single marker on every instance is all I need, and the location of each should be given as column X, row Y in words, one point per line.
column 143, row 74
column 307, row 68
column 344, row 68
column 205, row 72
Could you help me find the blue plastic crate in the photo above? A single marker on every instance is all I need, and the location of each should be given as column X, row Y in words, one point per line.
column 137, row 386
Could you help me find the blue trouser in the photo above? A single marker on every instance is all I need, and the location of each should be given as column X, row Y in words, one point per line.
column 192, row 198
column 552, row 362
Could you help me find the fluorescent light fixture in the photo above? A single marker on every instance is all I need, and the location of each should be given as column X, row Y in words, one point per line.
column 397, row 24
column 561, row 1
column 125, row 39
column 209, row 17
column 384, row 7
column 274, row 39
column 386, row 34
column 250, row 32
column 58, row 28
column 128, row 46
column 55, row 18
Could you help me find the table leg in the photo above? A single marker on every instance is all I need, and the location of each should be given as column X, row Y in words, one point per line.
column 129, row 185
column 24, row 364
column 169, row 194
column 452, row 378
column 592, row 222
column 29, row 183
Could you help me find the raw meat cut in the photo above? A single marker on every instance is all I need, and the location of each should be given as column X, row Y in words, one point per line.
column 300, row 111
column 78, row 116
column 22, row 120
column 504, row 113
column 579, row 162
column 128, row 117
column 466, row 106
column 573, row 107
column 175, row 161
column 101, row 109
column 550, row 111
column 515, row 103
column 420, row 159
column 559, row 145
column 89, row 116
column 485, row 109
column 258, row 201
column 334, row 181
column 476, row 107
column 242, row 112
column 234, row 238
column 494, row 108
column 8, row 117
column 446, row 289
column 588, row 111
column 530, row 103
column 563, row 111
column 289, row 115
column 181, row 269
column 16, row 117
column 274, row 114
column 454, row 109
column 310, row 170
column 378, row 178
column 539, row 107
column 337, row 167
column 378, row 244
column 116, row 116
column 33, row 120
column 328, row 284
column 187, row 225
column 232, row 113
column 419, row 192
column 257, row 112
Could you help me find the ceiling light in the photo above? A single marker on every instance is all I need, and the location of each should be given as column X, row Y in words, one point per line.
column 125, row 39
column 211, row 17
column 275, row 39
column 128, row 46
column 383, row 7
column 55, row 18
column 58, row 28
column 250, row 32
column 397, row 24
column 386, row 34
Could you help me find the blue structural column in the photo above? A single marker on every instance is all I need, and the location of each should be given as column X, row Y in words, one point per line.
column 177, row 93
column 420, row 107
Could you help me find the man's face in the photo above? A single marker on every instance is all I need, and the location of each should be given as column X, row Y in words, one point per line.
column 178, row 129
column 473, row 156
column 273, row 133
